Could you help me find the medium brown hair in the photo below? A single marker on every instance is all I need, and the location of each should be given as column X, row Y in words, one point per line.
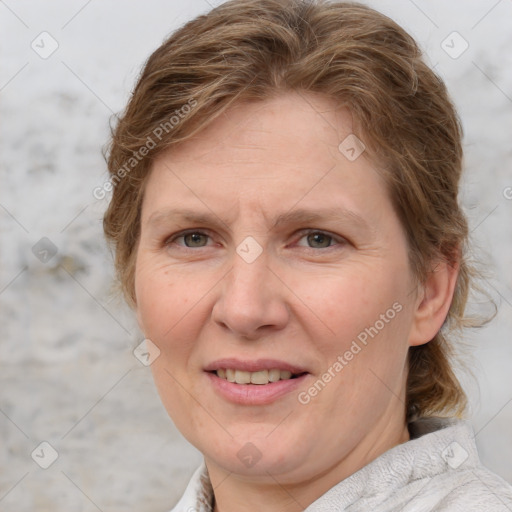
column 250, row 50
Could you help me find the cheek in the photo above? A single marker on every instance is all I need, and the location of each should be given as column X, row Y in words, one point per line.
column 347, row 302
column 162, row 299
column 172, row 308
column 167, row 308
column 365, row 320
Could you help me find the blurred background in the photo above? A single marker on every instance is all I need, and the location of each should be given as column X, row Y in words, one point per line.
column 68, row 375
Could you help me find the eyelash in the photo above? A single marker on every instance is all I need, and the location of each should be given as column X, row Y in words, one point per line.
column 304, row 233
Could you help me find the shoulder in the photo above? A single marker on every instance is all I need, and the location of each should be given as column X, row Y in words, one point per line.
column 473, row 489
column 438, row 470
column 448, row 474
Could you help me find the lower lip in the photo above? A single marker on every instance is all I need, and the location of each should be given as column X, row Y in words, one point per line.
column 254, row 394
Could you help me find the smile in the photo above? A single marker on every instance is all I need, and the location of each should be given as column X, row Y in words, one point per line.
column 255, row 382
column 260, row 377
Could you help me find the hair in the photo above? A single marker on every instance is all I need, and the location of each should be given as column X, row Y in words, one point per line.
column 251, row 50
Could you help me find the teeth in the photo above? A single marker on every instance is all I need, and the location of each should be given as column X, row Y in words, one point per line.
column 259, row 377
column 274, row 375
column 242, row 377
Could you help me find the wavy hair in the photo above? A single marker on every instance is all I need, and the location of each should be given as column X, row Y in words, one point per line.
column 250, row 50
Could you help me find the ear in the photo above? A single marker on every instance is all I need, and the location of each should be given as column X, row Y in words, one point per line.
column 433, row 302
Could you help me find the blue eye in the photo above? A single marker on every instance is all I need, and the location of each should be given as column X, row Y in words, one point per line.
column 195, row 239
column 317, row 240
column 314, row 240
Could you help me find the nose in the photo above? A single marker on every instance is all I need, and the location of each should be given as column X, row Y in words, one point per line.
column 252, row 300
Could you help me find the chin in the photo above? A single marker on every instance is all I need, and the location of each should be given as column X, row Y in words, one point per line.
column 256, row 454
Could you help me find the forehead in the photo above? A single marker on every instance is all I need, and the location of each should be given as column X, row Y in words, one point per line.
column 279, row 153
column 291, row 121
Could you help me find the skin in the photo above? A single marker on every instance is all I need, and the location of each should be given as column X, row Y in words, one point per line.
column 304, row 299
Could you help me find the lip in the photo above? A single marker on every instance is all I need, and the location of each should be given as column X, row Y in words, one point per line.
column 253, row 365
column 254, row 394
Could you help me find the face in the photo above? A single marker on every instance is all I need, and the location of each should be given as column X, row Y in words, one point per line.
column 266, row 250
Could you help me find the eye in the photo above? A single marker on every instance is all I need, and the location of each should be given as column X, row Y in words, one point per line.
column 320, row 239
column 191, row 239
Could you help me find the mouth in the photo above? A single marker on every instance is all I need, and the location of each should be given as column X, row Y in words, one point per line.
column 256, row 382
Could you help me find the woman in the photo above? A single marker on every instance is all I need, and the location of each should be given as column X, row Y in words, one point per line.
column 287, row 230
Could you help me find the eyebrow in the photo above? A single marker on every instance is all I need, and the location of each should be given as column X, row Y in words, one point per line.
column 161, row 216
column 296, row 216
column 321, row 214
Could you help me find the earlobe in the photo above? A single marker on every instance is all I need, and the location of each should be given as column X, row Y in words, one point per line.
column 433, row 302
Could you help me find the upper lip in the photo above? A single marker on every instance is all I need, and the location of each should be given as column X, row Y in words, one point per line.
column 253, row 365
